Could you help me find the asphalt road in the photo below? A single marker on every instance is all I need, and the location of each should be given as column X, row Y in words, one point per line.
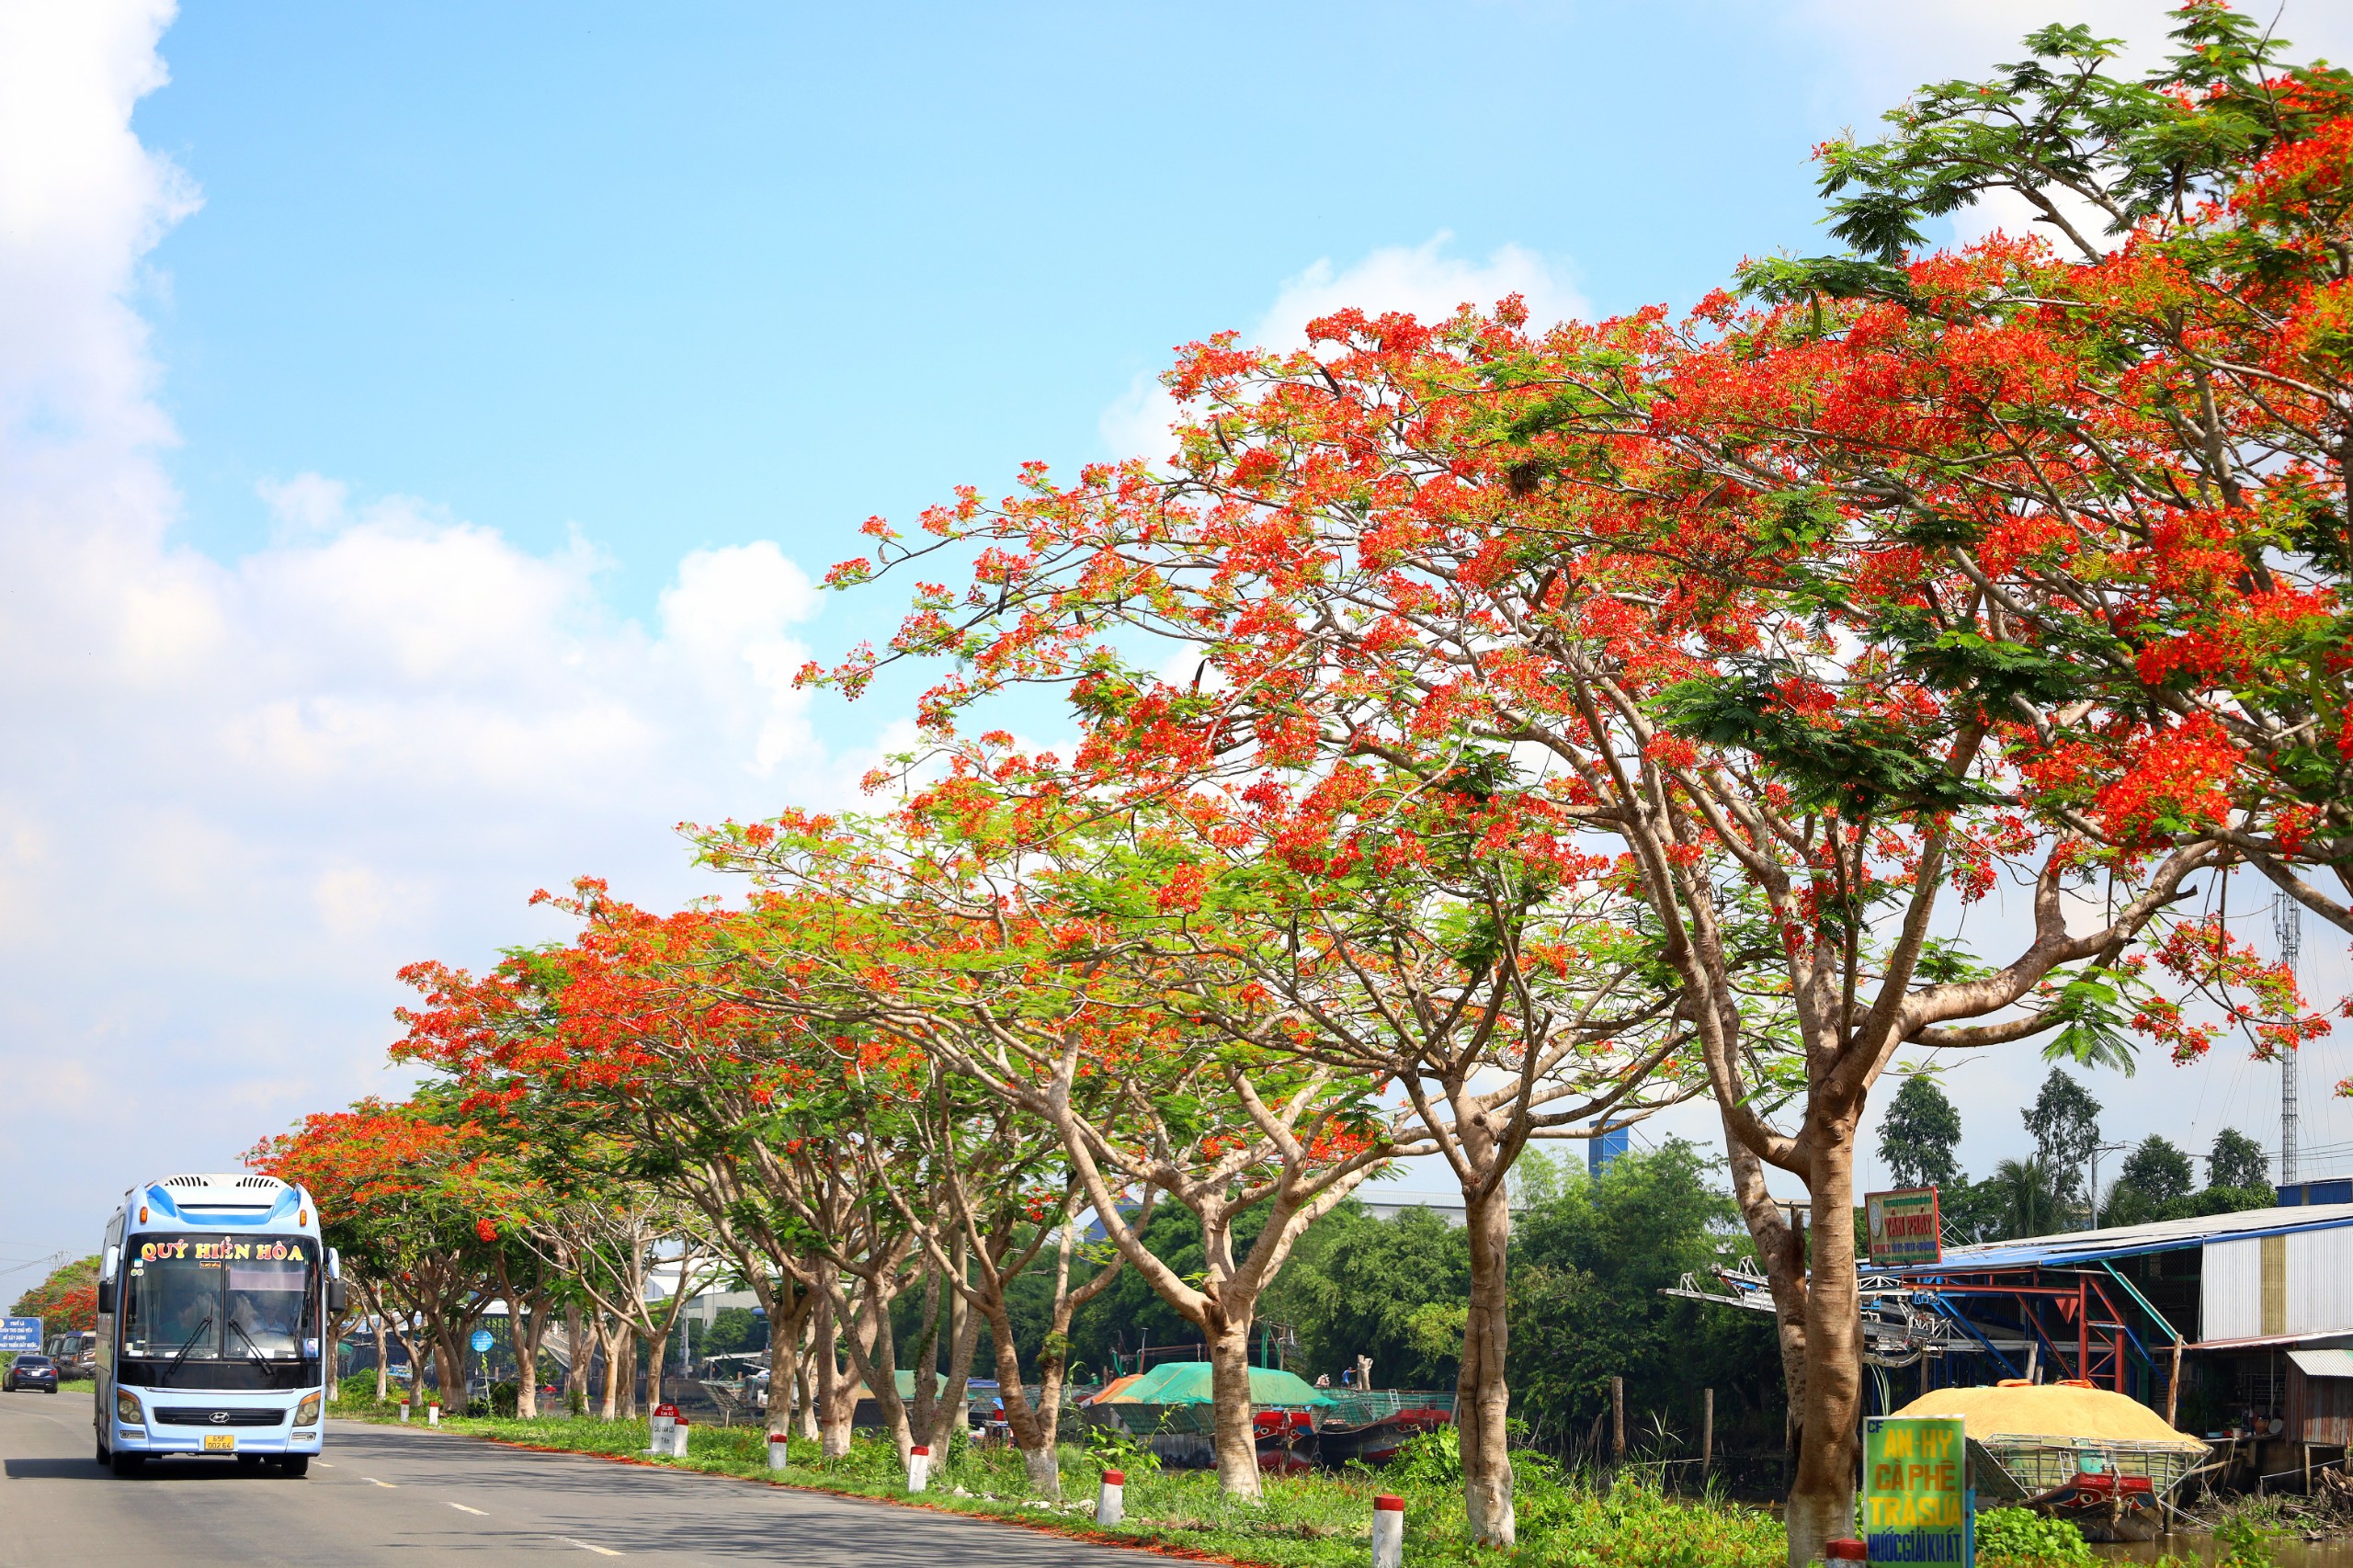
column 389, row 1496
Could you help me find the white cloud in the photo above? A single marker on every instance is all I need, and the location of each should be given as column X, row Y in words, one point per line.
column 1421, row 279
column 234, row 795
column 306, row 504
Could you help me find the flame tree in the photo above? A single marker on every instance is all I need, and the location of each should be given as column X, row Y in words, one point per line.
column 1811, row 724
column 1013, row 951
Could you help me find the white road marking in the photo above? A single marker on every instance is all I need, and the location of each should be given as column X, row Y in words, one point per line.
column 585, row 1545
column 385, row 1484
column 323, row 1464
column 475, row 1512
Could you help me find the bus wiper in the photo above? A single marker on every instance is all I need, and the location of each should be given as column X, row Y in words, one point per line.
column 197, row 1334
column 253, row 1351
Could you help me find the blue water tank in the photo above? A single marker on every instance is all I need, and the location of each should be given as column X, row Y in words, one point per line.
column 1601, row 1149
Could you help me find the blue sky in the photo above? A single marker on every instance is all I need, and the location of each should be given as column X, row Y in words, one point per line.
column 420, row 426
column 690, row 276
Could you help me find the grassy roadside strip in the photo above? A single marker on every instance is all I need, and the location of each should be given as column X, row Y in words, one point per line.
column 1316, row 1521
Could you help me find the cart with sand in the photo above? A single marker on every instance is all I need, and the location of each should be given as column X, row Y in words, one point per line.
column 2106, row 1462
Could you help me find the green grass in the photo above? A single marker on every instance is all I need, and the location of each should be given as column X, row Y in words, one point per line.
column 1307, row 1522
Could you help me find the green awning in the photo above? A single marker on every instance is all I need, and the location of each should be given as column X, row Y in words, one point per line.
column 1188, row 1383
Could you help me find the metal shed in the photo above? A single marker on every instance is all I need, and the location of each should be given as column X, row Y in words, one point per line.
column 2319, row 1397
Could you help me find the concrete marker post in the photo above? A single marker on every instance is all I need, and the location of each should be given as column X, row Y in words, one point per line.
column 403, row 1412
column 919, row 1467
column 678, row 1431
column 1111, row 1502
column 433, row 1414
column 1388, row 1531
column 779, row 1450
column 657, row 1429
column 1848, row 1549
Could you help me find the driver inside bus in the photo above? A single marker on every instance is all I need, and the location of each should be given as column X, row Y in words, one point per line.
column 186, row 1321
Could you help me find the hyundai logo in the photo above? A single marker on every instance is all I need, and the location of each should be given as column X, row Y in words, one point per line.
column 219, row 1418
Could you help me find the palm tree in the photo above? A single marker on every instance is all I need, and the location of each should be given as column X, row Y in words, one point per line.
column 2030, row 1199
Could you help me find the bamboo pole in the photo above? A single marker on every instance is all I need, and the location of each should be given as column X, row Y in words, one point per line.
column 2173, row 1384
column 1617, row 1420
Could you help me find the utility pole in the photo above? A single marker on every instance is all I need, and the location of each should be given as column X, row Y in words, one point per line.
column 2091, row 1198
column 2288, row 929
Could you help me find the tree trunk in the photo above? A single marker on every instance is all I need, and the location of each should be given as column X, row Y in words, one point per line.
column 1237, row 1438
column 383, row 1379
column 963, row 1339
column 1029, row 1433
column 1822, row 1502
column 1482, row 1397
column 834, row 1404
column 786, row 1326
column 618, row 1345
column 804, row 1390
column 526, row 1330
column 579, row 1355
column 1781, row 1253
column 874, row 1355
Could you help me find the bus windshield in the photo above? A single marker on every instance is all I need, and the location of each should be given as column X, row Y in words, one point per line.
column 220, row 1298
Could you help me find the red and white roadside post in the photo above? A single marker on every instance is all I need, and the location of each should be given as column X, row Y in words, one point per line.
column 433, row 1413
column 919, row 1467
column 405, row 1402
column 679, row 1428
column 1111, row 1502
column 1846, row 1551
column 779, row 1450
column 1388, row 1531
column 657, row 1429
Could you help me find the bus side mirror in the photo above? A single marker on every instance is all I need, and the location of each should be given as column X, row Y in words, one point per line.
column 335, row 1295
column 106, row 1298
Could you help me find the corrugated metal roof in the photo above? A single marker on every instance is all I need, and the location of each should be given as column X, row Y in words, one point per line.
column 2126, row 1241
column 2323, row 1363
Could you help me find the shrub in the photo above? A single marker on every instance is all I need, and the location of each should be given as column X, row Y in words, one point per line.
column 357, row 1388
column 2022, row 1537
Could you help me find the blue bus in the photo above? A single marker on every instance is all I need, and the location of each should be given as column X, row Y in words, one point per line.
column 214, row 1293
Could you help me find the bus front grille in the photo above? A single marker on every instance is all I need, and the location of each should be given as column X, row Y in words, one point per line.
column 206, row 1415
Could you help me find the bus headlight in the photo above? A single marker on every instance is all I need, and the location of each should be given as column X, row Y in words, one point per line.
column 308, row 1411
column 126, row 1409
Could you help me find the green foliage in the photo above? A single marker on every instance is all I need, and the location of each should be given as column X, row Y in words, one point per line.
column 1589, row 1265
column 2157, row 1175
column 2031, row 1199
column 1394, row 1290
column 2020, row 1538
column 1918, row 1135
column 2248, row 1543
column 2064, row 1120
column 2237, row 1160
column 66, row 1299
column 2060, row 119
column 357, row 1389
column 732, row 1330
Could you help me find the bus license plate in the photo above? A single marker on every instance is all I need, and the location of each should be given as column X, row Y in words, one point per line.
column 219, row 1442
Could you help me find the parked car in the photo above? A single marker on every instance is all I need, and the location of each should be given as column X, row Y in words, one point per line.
column 31, row 1373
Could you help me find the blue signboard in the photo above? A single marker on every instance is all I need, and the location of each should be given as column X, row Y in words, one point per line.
column 19, row 1334
column 482, row 1340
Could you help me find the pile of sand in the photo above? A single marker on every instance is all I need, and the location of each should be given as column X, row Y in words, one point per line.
column 2049, row 1410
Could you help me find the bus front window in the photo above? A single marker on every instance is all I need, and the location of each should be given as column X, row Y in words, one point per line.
column 266, row 1307
column 175, row 1305
column 199, row 1298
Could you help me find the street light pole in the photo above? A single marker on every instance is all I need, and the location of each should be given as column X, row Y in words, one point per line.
column 2091, row 1198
